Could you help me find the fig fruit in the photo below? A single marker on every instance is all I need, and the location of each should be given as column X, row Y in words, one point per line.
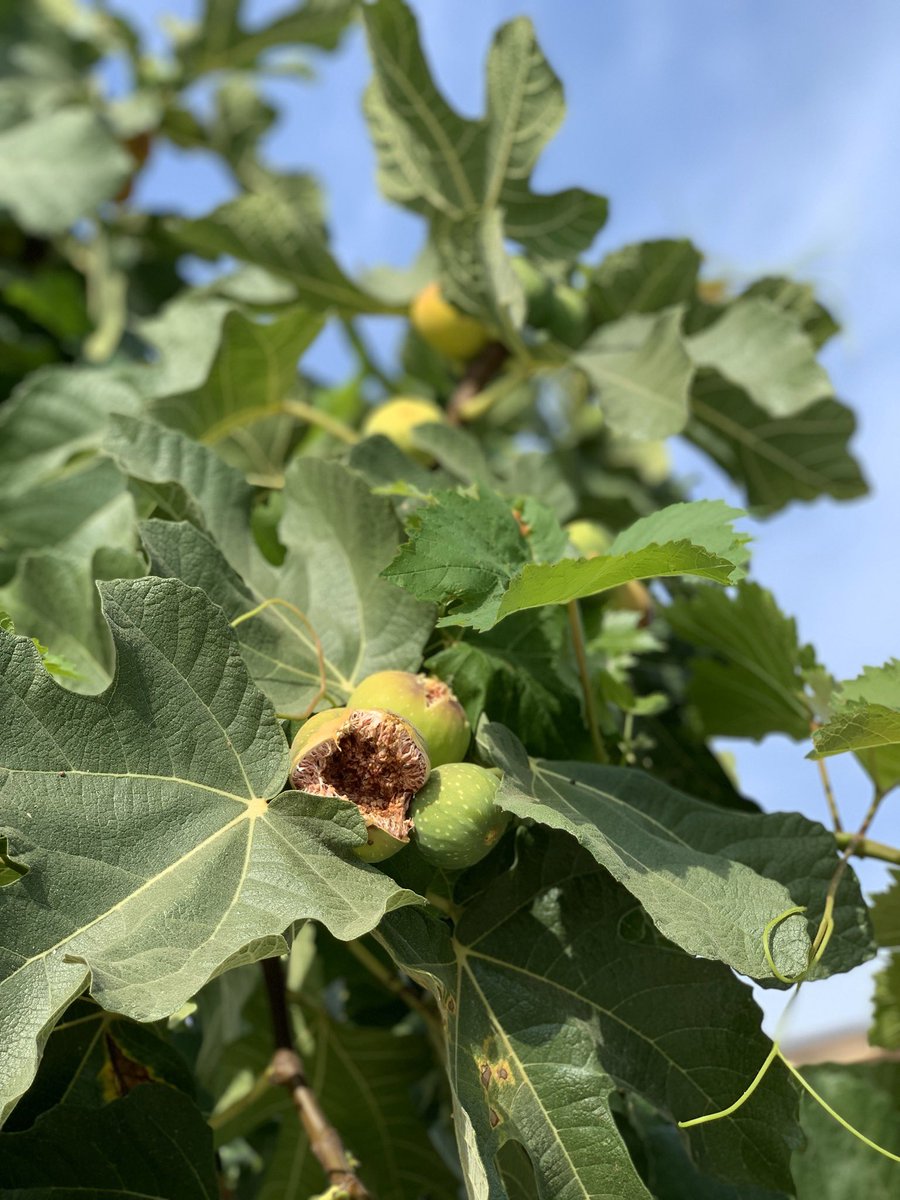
column 589, row 538
column 368, row 756
column 444, row 327
column 455, row 817
column 397, row 418
column 538, row 291
column 569, row 317
column 633, row 596
column 427, row 703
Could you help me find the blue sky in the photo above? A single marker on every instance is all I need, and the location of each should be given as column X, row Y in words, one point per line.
column 765, row 131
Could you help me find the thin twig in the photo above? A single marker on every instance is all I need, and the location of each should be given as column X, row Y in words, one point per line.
column 287, row 1069
column 315, row 416
column 864, row 848
column 827, row 788
column 479, row 372
column 853, row 842
column 393, row 983
column 590, row 705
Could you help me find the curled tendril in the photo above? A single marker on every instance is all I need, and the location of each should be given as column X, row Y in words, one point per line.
column 819, row 945
column 316, row 641
column 768, row 932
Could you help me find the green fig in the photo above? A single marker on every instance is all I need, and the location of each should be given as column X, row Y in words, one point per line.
column 538, row 291
column 569, row 317
column 455, row 817
column 427, row 703
column 374, row 759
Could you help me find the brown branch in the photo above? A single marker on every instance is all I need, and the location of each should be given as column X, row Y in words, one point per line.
column 479, row 372
column 287, row 1070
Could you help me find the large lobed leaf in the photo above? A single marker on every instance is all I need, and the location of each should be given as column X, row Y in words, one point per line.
column 57, row 167
column 557, row 994
column 338, row 538
column 775, row 460
column 714, row 880
column 154, row 1143
column 280, row 228
column 748, row 677
column 642, row 374
column 762, row 348
column 473, row 555
column 472, row 178
column 865, row 720
column 143, row 816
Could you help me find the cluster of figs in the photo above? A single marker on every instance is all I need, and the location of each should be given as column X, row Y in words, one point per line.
column 395, row 751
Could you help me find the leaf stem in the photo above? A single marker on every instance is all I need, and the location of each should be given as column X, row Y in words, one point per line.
column 287, row 1069
column 827, row 788
column 865, row 848
column 393, row 983
column 315, row 416
column 590, row 704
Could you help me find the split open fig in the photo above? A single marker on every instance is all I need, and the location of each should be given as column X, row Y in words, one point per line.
column 371, row 757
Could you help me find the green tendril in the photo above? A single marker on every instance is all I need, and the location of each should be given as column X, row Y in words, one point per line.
column 741, row 1100
column 770, row 928
column 807, row 1086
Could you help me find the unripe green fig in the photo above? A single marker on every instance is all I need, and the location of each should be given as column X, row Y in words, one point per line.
column 427, row 703
column 455, row 817
column 538, row 291
column 569, row 316
column 451, row 332
column 589, row 538
column 368, row 756
column 397, row 418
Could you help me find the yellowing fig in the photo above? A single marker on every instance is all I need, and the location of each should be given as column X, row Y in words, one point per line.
column 455, row 817
column 444, row 327
column 427, row 703
column 374, row 759
column 397, row 418
column 589, row 538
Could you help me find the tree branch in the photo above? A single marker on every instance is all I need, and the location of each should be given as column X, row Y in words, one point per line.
column 864, row 848
column 479, row 372
column 287, row 1069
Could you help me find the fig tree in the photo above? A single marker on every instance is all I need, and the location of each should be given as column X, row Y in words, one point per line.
column 397, row 418
column 455, row 817
column 445, row 327
column 374, row 759
column 427, row 703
